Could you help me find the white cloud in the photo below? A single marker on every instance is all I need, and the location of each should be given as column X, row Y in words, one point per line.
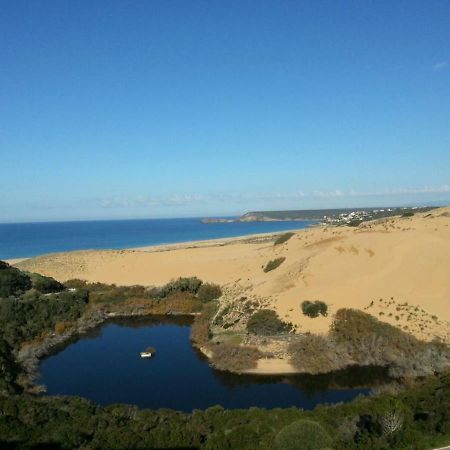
column 440, row 65
column 182, row 200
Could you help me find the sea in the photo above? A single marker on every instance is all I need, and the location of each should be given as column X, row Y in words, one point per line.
column 22, row 240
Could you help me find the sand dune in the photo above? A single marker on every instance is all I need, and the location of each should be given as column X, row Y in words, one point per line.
column 397, row 269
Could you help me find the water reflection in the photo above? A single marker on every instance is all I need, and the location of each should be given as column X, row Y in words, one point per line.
column 104, row 365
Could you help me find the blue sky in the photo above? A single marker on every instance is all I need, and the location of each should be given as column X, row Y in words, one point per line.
column 122, row 109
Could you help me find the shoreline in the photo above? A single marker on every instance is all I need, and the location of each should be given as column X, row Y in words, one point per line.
column 156, row 248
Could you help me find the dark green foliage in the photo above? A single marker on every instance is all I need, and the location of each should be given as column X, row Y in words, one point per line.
column 73, row 423
column 266, row 322
column 418, row 418
column 274, row 263
column 313, row 309
column 408, row 214
column 200, row 329
column 208, row 292
column 283, row 238
column 303, row 435
column 366, row 340
column 110, row 293
column 9, row 369
column 12, row 280
column 45, row 285
column 28, row 316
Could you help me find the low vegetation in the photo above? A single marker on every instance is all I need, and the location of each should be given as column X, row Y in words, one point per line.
column 237, row 358
column 190, row 285
column 12, row 281
column 266, row 322
column 303, row 435
column 416, row 418
column 46, row 285
column 208, row 292
column 313, row 354
column 274, row 263
column 314, row 309
column 357, row 338
column 200, row 329
column 32, row 315
column 283, row 238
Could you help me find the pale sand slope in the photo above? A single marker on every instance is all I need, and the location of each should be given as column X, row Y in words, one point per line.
column 396, row 260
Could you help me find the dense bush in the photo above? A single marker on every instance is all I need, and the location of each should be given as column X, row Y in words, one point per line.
column 9, row 369
column 266, row 322
column 29, row 316
column 12, row 280
column 235, row 358
column 408, row 214
column 46, row 285
column 182, row 284
column 283, row 238
column 28, row 422
column 313, row 354
column 208, row 292
column 110, row 293
column 369, row 341
column 200, row 329
column 313, row 309
column 303, row 435
column 274, row 263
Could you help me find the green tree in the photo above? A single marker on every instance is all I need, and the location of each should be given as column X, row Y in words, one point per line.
column 302, row 435
column 12, row 280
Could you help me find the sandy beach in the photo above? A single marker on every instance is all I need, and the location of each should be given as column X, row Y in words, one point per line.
column 396, row 269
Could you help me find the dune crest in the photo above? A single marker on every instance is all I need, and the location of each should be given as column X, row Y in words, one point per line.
column 396, row 269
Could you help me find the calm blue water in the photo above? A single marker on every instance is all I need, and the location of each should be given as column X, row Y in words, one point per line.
column 30, row 239
column 105, row 366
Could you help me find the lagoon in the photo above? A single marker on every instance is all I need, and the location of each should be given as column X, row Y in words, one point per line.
column 104, row 366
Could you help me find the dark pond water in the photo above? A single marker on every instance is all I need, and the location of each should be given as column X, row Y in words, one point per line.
column 104, row 366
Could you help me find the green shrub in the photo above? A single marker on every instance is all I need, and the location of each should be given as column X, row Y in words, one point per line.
column 408, row 214
column 313, row 309
column 283, row 238
column 302, row 435
column 208, row 292
column 200, row 329
column 12, row 280
column 182, row 284
column 274, row 263
column 45, row 285
column 266, row 322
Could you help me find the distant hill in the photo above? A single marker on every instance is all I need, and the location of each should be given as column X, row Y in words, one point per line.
column 296, row 214
column 318, row 214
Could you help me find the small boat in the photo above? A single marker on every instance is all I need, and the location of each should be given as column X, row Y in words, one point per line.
column 148, row 353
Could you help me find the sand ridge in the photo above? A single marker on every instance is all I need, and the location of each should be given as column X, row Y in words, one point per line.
column 397, row 269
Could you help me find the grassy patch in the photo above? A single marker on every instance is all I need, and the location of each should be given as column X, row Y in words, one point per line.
column 274, row 263
column 283, row 238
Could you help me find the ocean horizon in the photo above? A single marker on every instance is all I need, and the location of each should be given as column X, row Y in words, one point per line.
column 22, row 240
